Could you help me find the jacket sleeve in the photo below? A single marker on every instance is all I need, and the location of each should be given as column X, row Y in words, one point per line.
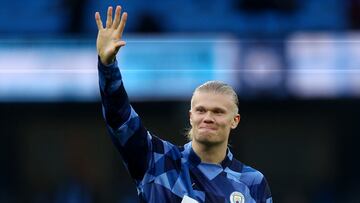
column 128, row 134
column 263, row 192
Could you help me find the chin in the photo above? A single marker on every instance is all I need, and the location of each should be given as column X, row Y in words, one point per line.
column 206, row 138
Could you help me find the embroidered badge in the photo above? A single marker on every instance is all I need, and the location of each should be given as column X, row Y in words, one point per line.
column 237, row 197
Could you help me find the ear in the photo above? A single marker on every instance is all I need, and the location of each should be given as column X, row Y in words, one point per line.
column 235, row 121
column 190, row 117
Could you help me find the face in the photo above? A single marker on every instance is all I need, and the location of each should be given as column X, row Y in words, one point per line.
column 212, row 116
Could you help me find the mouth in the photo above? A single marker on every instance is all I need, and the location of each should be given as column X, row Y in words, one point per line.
column 207, row 128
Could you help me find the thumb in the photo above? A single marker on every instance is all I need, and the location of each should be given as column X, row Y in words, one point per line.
column 119, row 44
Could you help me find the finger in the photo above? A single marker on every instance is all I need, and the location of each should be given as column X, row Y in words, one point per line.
column 98, row 21
column 119, row 44
column 109, row 17
column 122, row 23
column 117, row 17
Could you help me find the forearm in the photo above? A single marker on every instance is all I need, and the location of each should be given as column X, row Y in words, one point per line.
column 127, row 133
column 114, row 98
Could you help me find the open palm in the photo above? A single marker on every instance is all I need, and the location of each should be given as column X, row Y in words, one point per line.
column 109, row 39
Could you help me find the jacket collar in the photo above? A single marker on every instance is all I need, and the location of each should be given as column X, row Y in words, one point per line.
column 195, row 160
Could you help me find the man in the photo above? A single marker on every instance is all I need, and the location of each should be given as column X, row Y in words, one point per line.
column 203, row 170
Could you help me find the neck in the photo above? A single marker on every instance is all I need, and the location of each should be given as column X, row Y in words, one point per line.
column 213, row 154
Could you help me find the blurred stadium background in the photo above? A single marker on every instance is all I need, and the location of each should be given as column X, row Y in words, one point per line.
column 294, row 63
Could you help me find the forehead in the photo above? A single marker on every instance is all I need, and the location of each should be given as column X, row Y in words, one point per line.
column 212, row 100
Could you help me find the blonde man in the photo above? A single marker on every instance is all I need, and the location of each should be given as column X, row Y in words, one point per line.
column 204, row 169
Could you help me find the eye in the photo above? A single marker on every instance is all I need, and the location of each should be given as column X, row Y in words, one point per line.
column 200, row 110
column 218, row 111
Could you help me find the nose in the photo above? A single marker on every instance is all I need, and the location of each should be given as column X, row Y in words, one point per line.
column 208, row 118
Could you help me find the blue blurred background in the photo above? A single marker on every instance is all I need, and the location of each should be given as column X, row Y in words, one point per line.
column 295, row 65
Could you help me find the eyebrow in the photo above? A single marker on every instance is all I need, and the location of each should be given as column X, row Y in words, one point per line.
column 212, row 109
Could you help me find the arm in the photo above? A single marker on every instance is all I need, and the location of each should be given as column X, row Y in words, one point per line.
column 124, row 125
column 262, row 190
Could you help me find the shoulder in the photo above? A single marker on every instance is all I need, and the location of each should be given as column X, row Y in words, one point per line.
column 246, row 174
column 252, row 178
column 163, row 148
column 165, row 157
column 257, row 183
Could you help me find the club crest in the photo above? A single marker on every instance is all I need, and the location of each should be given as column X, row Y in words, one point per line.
column 237, row 197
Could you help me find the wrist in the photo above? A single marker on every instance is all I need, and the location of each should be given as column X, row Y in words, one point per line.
column 106, row 64
column 108, row 61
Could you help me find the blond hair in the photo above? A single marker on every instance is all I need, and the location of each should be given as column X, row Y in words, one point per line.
column 216, row 87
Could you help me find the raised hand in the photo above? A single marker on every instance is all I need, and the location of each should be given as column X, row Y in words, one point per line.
column 109, row 39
